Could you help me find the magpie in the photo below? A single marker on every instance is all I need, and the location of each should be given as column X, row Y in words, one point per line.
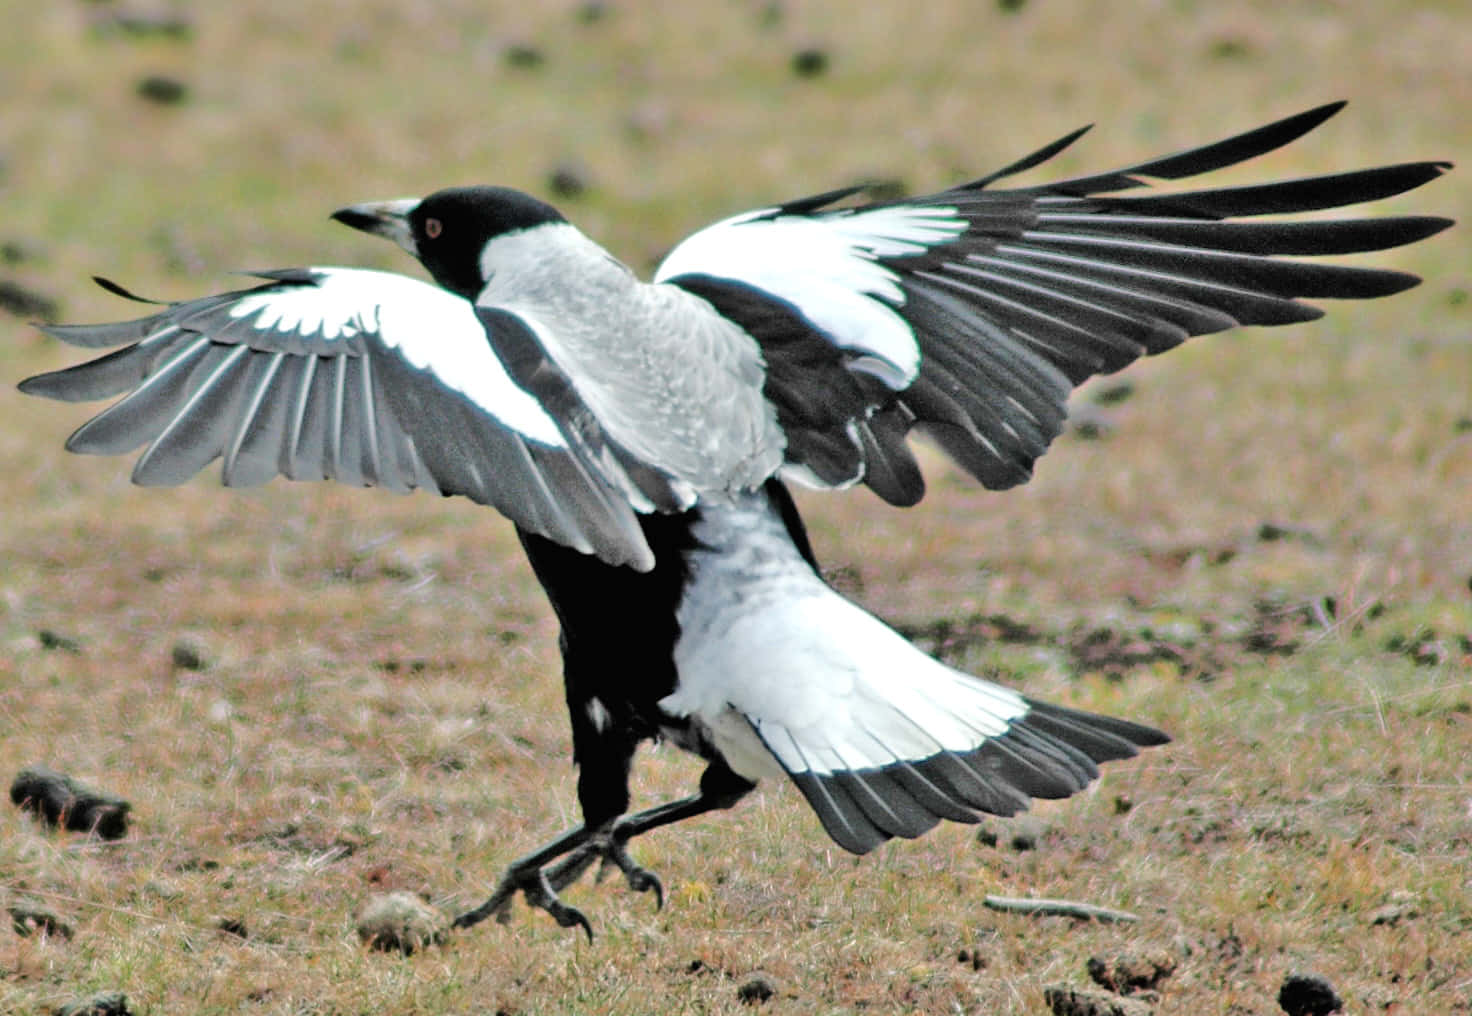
column 641, row 436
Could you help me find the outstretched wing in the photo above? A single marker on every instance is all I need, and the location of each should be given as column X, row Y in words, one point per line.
column 368, row 378
column 973, row 313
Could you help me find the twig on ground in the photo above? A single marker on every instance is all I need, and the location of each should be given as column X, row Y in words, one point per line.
column 1058, row 908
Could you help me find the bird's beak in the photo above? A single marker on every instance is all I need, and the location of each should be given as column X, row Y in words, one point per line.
column 388, row 219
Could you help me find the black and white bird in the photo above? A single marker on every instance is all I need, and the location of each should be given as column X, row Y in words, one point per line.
column 639, row 435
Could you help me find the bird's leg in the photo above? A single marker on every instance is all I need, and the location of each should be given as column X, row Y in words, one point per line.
column 719, row 788
column 539, row 879
column 525, row 875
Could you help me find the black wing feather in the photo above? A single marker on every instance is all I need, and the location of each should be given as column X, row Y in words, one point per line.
column 1084, row 275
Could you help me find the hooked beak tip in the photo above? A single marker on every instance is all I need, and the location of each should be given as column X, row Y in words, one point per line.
column 357, row 218
column 388, row 219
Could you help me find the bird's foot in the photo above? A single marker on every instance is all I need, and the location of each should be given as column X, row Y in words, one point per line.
column 539, row 883
column 609, row 846
column 532, row 883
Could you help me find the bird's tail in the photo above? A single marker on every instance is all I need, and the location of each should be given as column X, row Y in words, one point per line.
column 881, row 739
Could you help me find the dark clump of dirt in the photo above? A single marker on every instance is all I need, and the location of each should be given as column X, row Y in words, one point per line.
column 1308, row 995
column 810, row 62
column 232, row 927
column 107, row 1003
column 1132, row 970
column 30, row 919
column 58, row 800
column 1113, row 652
column 1064, row 1001
column 51, row 639
column 162, row 89
column 524, row 55
column 756, row 989
column 1198, row 647
column 569, row 180
column 26, row 303
column 948, row 638
column 1425, row 647
column 1278, row 629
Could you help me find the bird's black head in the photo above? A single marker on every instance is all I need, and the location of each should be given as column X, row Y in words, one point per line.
column 448, row 231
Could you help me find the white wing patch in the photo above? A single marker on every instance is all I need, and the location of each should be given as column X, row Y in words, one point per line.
column 826, row 267
column 434, row 330
column 330, row 311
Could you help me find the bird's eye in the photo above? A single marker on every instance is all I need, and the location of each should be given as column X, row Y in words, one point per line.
column 433, row 228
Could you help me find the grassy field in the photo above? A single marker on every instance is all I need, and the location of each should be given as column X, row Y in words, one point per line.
column 1265, row 550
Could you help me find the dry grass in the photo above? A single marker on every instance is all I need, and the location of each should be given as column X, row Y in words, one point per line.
column 381, row 708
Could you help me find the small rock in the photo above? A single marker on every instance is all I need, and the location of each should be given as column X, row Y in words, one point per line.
column 1064, row 1001
column 162, row 89
column 809, row 62
column 1131, row 971
column 30, row 918
column 756, row 989
column 1308, row 995
column 108, row 1003
column 401, row 921
column 59, row 800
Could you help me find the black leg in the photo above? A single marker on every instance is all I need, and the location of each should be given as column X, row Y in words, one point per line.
column 720, row 788
column 579, row 848
column 525, row 875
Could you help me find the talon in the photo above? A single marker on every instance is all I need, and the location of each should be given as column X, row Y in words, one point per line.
column 498, row 906
column 649, row 882
column 539, row 880
column 639, row 878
